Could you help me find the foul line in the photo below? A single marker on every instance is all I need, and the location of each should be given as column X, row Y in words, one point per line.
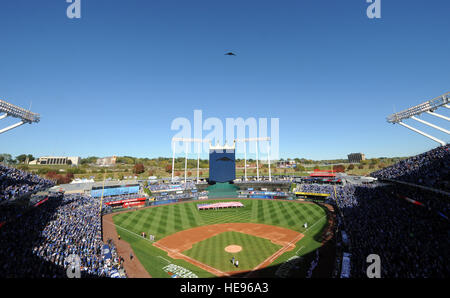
column 298, row 250
column 192, row 261
column 282, row 250
column 132, row 233
column 278, row 253
column 314, row 223
column 165, row 259
column 140, row 237
column 212, row 269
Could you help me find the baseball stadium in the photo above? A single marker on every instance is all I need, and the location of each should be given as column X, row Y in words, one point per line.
column 226, row 233
column 259, row 234
column 102, row 177
column 223, row 225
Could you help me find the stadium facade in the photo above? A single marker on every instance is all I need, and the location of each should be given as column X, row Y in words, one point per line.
column 56, row 160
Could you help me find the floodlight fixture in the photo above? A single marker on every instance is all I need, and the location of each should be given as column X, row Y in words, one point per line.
column 429, row 107
column 10, row 110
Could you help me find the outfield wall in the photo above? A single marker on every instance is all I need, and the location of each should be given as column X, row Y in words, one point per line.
column 175, row 201
column 115, row 191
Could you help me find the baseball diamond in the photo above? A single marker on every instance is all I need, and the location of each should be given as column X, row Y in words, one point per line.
column 222, row 142
column 268, row 232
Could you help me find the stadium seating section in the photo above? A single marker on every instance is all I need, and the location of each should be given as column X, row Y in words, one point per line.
column 406, row 226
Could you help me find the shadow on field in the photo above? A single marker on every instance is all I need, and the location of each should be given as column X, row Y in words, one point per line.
column 299, row 266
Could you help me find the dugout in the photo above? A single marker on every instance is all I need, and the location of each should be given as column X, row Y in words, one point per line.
column 312, row 196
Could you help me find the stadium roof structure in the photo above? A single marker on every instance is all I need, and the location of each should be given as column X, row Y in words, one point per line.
column 428, row 107
column 11, row 110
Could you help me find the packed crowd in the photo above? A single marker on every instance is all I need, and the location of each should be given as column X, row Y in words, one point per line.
column 265, row 180
column 407, row 227
column 431, row 168
column 10, row 210
column 169, row 186
column 175, row 196
column 15, row 183
column 313, row 265
column 38, row 243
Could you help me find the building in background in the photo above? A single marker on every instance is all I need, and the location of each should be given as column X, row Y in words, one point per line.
column 290, row 163
column 356, row 157
column 106, row 161
column 56, row 160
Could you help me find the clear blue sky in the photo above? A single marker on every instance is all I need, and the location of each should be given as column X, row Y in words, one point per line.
column 111, row 82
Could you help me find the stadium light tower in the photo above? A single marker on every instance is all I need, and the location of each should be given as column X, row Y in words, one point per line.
column 256, row 140
column 187, row 141
column 17, row 112
column 428, row 107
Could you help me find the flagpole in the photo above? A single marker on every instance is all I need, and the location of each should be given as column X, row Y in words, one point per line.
column 103, row 190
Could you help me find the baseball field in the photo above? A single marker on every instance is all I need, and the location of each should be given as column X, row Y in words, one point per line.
column 203, row 243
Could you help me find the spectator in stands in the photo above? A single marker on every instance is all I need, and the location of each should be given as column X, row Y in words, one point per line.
column 411, row 238
column 38, row 244
column 431, row 168
column 15, row 183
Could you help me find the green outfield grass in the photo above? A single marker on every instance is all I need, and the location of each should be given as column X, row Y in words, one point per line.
column 165, row 220
column 212, row 251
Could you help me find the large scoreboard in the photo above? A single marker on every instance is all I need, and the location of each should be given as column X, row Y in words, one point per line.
column 222, row 165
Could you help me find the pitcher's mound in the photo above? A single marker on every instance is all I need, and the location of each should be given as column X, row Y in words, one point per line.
column 233, row 248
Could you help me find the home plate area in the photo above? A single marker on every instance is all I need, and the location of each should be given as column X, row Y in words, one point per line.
column 230, row 248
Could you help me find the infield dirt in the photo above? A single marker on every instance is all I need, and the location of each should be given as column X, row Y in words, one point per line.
column 178, row 242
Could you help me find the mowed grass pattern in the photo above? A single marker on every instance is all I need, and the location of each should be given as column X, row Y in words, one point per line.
column 162, row 221
column 212, row 251
column 165, row 220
